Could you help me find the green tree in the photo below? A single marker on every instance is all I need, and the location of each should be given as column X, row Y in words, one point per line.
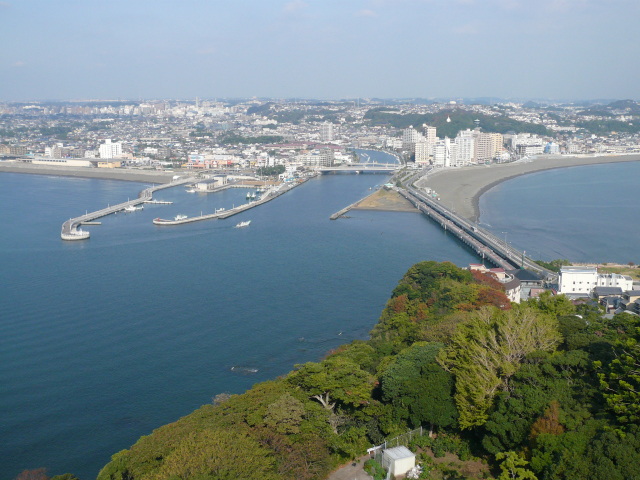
column 285, row 414
column 220, row 454
column 335, row 380
column 513, row 467
column 418, row 388
column 621, row 381
column 555, row 305
column 486, row 351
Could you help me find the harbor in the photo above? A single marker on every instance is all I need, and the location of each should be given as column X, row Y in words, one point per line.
column 271, row 193
column 72, row 232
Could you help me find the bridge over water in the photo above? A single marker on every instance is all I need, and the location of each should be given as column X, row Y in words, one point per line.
column 367, row 167
column 484, row 242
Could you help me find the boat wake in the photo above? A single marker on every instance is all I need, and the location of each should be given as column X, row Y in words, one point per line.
column 244, row 370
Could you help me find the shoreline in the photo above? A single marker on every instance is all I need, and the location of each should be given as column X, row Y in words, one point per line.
column 137, row 176
column 461, row 189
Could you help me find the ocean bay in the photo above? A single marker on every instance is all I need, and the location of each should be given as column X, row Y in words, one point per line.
column 583, row 214
column 102, row 341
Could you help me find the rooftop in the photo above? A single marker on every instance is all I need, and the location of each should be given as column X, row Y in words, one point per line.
column 398, row 453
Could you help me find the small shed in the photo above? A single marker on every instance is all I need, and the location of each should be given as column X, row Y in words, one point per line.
column 399, row 460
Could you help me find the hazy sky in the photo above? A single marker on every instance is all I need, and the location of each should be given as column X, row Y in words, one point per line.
column 62, row 49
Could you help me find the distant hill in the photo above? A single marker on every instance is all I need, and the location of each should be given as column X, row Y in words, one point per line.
column 260, row 109
column 624, row 104
column 607, row 110
column 460, row 120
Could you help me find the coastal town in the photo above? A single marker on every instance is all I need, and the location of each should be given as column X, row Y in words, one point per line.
column 203, row 134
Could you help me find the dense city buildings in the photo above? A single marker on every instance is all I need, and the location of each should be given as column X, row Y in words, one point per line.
column 211, row 133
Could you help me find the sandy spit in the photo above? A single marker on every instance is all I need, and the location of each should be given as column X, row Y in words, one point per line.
column 461, row 188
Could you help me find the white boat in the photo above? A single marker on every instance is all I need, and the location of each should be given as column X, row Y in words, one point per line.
column 180, row 217
column 253, row 195
column 191, row 190
column 132, row 208
column 243, row 224
column 248, row 195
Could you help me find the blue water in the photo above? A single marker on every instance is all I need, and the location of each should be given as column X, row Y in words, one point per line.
column 104, row 340
column 583, row 214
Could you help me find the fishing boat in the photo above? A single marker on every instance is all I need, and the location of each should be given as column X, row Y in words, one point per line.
column 132, row 208
column 253, row 196
column 180, row 217
column 248, row 195
column 243, row 224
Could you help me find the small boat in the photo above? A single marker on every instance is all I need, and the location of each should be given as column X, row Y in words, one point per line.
column 243, row 224
column 180, row 217
column 253, row 196
column 191, row 190
column 132, row 208
column 248, row 195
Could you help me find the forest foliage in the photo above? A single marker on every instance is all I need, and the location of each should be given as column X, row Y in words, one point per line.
column 541, row 389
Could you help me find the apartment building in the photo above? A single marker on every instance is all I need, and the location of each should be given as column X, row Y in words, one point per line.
column 110, row 150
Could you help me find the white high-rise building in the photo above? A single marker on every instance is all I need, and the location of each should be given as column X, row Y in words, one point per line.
column 326, row 132
column 430, row 134
column 410, row 136
column 110, row 150
column 445, row 153
column 465, row 144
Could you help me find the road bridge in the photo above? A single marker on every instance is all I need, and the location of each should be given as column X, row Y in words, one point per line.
column 472, row 232
column 368, row 167
column 70, row 229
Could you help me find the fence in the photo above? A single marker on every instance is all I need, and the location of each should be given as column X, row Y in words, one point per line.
column 404, row 439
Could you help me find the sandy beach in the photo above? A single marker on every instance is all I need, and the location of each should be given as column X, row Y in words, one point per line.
column 461, row 188
column 84, row 172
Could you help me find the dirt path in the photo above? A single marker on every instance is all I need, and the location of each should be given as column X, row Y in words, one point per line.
column 349, row 472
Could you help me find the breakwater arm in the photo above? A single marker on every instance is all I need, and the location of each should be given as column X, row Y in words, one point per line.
column 70, row 229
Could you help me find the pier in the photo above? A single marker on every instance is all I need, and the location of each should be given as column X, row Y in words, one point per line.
column 274, row 192
column 340, row 213
column 71, row 232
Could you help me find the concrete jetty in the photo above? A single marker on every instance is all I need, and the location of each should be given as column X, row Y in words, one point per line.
column 340, row 213
column 273, row 193
column 71, row 232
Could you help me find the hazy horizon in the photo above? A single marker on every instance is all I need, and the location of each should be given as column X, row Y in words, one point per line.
column 567, row 50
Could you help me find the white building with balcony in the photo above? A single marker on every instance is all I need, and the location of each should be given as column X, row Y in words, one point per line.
column 110, row 150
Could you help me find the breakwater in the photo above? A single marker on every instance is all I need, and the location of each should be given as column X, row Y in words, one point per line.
column 71, row 232
column 271, row 194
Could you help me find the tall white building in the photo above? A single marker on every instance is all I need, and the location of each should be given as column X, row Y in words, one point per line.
column 430, row 134
column 465, row 145
column 445, row 153
column 326, row 132
column 110, row 150
column 410, row 136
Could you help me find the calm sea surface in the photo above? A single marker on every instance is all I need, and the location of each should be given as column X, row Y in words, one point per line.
column 583, row 214
column 104, row 340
